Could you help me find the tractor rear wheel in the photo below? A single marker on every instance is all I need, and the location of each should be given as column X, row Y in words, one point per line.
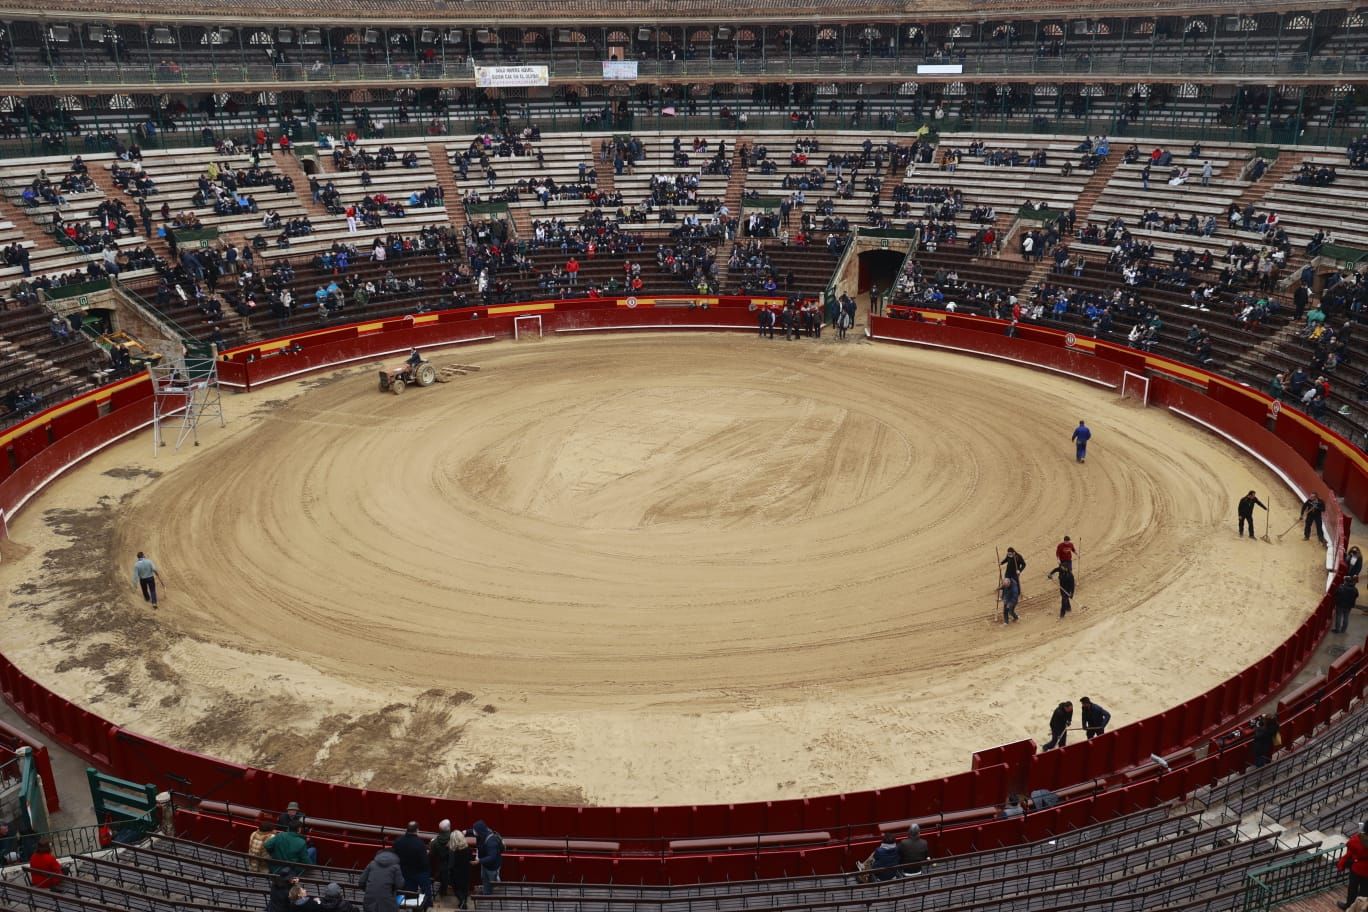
column 425, row 374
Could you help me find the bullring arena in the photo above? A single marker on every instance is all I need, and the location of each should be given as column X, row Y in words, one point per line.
column 651, row 570
column 762, row 332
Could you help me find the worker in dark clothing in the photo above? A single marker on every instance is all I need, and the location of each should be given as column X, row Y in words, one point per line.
column 1246, row 512
column 1095, row 718
column 1013, row 564
column 1060, row 720
column 1066, row 588
column 1265, row 739
column 1311, row 513
column 413, row 863
column 1346, row 597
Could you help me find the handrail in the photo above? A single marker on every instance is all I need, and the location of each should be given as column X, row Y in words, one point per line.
column 1292, row 878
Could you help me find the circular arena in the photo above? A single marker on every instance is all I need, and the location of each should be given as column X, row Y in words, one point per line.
column 690, row 558
column 607, row 428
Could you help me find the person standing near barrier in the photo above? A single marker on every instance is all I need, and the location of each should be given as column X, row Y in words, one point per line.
column 1355, row 859
column 1095, row 718
column 1060, row 720
column 1346, row 597
column 1246, row 512
column 1311, row 513
column 489, row 847
column 146, row 577
column 380, row 882
column 1081, row 436
column 414, row 864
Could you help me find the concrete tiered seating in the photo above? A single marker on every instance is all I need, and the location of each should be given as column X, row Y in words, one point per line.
column 176, row 173
column 1124, row 198
column 1340, row 209
column 51, row 257
column 394, row 180
column 780, row 147
column 635, row 185
column 1002, row 186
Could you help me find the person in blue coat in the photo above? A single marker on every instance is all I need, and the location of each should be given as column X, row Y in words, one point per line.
column 489, row 847
column 886, row 858
column 1081, row 436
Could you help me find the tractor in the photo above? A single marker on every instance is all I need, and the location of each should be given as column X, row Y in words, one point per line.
column 420, row 374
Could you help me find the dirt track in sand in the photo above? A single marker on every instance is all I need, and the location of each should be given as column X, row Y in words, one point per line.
column 649, row 570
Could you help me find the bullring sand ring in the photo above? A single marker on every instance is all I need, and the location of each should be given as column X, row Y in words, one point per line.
column 650, row 570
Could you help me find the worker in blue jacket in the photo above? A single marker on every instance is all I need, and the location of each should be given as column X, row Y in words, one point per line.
column 1081, row 436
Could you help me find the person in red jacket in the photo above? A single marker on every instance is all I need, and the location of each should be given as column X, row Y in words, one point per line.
column 1065, row 553
column 44, row 868
column 1356, row 860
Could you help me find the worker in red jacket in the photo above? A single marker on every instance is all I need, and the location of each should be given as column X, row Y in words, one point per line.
column 1356, row 860
column 44, row 869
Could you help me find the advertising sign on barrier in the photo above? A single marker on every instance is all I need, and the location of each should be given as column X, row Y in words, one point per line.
column 494, row 77
column 620, row 70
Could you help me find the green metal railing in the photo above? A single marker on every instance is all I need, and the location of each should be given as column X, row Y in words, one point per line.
column 32, row 801
column 1303, row 875
column 119, row 800
column 79, row 839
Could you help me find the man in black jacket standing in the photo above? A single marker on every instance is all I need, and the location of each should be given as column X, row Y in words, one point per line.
column 1095, row 718
column 1311, row 516
column 1066, row 588
column 413, row 863
column 1246, row 512
column 1060, row 721
column 1346, row 597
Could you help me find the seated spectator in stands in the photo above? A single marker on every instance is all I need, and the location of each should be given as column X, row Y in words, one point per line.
column 1042, row 799
column 332, row 901
column 885, row 860
column 278, row 900
column 912, row 851
column 300, row 900
column 1013, row 808
column 46, row 871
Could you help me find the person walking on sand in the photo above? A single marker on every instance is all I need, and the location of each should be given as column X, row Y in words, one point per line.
column 146, row 577
column 1066, row 587
column 1246, row 512
column 1081, row 436
column 1011, row 594
column 1065, row 552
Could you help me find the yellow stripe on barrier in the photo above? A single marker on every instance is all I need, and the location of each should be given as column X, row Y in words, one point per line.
column 103, row 394
column 522, row 308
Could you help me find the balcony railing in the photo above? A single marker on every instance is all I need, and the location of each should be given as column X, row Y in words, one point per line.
column 1006, row 66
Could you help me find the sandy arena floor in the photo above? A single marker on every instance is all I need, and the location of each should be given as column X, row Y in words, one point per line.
column 649, row 570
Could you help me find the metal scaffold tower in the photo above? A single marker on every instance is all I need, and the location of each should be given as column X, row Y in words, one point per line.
column 185, row 391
